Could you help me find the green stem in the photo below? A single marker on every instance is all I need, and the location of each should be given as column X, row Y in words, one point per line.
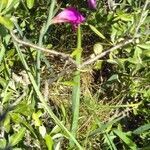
column 76, row 89
column 40, row 43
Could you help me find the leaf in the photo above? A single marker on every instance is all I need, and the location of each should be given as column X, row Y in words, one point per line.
column 58, row 146
column 113, row 78
column 69, row 83
column 17, row 149
column 2, row 53
column 121, row 15
column 98, row 48
column 10, row 5
column 103, row 127
column 29, row 127
column 24, row 108
column 17, row 137
column 2, row 143
column 144, row 46
column 3, row 4
column 7, row 123
column 146, row 53
column 109, row 140
column 30, row 3
column 36, row 117
column 126, row 139
column 55, row 130
column 142, row 129
column 76, row 52
column 97, row 32
column 18, row 119
column 6, row 97
column 49, row 141
column 98, row 64
column 42, row 131
column 6, row 22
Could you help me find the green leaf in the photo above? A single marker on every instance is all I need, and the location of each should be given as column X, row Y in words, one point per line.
column 146, row 53
column 98, row 64
column 121, row 15
column 42, row 131
column 30, row 3
column 126, row 139
column 76, row 52
column 16, row 118
column 3, row 4
column 2, row 53
column 2, row 143
column 55, row 130
column 29, row 127
column 17, row 137
column 36, row 119
column 113, row 78
column 6, row 22
column 109, row 140
column 49, row 141
column 7, row 123
column 17, row 149
column 11, row 3
column 142, row 129
column 24, row 108
column 98, row 48
column 97, row 32
column 69, row 83
column 103, row 127
column 6, row 97
column 144, row 46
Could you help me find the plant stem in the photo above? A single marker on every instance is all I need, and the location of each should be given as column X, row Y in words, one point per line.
column 76, row 89
column 40, row 43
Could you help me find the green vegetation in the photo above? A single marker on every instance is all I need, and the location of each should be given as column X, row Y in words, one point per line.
column 65, row 88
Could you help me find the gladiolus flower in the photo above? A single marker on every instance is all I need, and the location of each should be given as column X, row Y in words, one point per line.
column 69, row 15
column 92, row 4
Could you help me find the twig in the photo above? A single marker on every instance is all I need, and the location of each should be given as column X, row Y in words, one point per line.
column 92, row 60
column 51, row 52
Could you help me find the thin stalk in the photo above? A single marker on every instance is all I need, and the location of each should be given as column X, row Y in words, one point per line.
column 40, row 43
column 41, row 98
column 76, row 89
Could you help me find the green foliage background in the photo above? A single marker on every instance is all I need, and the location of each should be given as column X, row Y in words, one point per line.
column 36, row 88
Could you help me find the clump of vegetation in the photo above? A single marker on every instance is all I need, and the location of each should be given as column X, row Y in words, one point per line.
column 74, row 75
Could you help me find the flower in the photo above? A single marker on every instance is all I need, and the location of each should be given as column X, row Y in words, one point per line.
column 92, row 4
column 69, row 15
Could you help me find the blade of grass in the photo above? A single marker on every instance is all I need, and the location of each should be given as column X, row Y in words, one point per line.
column 123, row 136
column 40, row 43
column 76, row 88
column 2, row 53
column 109, row 141
column 41, row 98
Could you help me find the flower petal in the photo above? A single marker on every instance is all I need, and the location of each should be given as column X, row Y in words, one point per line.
column 92, row 4
column 70, row 15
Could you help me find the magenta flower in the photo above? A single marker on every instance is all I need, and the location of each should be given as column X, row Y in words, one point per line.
column 92, row 4
column 69, row 15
